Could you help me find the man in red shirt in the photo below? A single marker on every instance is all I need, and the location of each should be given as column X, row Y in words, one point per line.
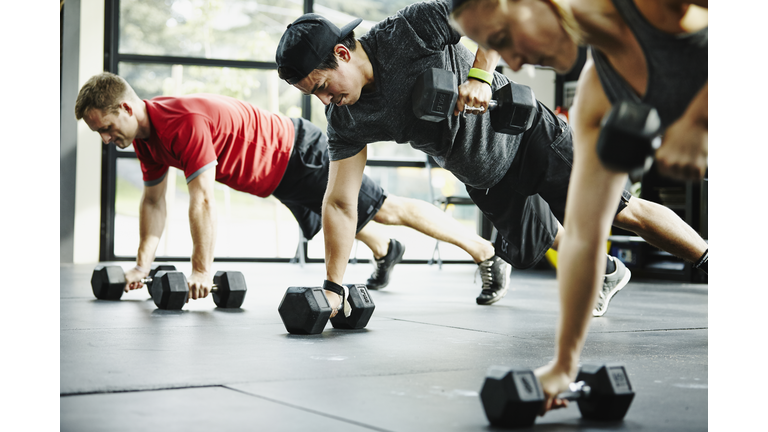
column 218, row 138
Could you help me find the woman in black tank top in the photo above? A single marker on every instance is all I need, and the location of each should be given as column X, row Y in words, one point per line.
column 645, row 51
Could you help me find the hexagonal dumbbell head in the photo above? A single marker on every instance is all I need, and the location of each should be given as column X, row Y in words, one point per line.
column 230, row 289
column 108, row 282
column 511, row 398
column 610, row 392
column 434, row 95
column 170, row 290
column 516, row 109
column 362, row 309
column 153, row 271
column 304, row 310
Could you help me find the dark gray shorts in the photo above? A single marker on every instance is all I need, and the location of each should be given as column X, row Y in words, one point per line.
column 306, row 177
column 527, row 203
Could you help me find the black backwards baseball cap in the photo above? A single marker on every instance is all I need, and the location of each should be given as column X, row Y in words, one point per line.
column 457, row 3
column 306, row 43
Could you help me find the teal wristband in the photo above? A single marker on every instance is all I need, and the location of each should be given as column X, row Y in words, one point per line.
column 481, row 75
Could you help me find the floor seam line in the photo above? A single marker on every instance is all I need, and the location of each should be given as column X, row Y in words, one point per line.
column 331, row 416
column 102, row 392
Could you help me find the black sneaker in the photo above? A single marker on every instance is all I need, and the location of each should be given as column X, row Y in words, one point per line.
column 495, row 275
column 380, row 277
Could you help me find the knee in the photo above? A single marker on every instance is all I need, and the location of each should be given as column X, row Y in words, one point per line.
column 637, row 213
column 390, row 211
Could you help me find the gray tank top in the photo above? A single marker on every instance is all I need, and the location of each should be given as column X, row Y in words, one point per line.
column 677, row 66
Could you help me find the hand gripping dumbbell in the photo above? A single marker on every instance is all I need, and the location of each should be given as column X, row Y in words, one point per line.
column 630, row 134
column 305, row 310
column 108, row 282
column 170, row 290
column 435, row 94
column 514, row 397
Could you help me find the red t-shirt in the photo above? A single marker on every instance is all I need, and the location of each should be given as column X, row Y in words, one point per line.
column 248, row 147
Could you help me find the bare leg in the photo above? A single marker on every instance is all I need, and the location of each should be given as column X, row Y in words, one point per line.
column 662, row 228
column 371, row 235
column 430, row 220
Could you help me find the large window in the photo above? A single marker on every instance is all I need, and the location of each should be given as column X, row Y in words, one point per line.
column 227, row 47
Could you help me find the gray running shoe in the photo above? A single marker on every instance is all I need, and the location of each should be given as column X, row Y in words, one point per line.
column 495, row 275
column 612, row 283
column 380, row 277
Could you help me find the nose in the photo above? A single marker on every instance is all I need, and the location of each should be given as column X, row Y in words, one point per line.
column 325, row 98
column 514, row 61
column 105, row 138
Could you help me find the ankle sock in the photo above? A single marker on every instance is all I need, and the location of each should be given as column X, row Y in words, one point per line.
column 610, row 266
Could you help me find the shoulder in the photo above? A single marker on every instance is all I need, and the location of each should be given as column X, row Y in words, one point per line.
column 599, row 20
column 591, row 103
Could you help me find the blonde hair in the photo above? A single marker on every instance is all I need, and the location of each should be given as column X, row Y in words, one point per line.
column 105, row 92
column 568, row 20
column 562, row 8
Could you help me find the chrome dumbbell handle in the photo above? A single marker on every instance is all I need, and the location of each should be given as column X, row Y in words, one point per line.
column 576, row 391
column 491, row 105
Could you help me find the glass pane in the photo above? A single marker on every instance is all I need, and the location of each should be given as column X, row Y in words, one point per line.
column 380, row 150
column 413, row 183
column 248, row 226
column 341, row 12
column 218, row 29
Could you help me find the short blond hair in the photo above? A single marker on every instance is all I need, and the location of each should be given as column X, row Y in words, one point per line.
column 105, row 92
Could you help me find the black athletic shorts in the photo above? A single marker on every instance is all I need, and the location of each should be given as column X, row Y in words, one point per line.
column 306, row 177
column 527, row 203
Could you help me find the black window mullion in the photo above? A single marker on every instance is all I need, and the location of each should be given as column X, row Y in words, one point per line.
column 109, row 153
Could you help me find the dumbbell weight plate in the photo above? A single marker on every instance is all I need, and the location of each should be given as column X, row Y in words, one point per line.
column 170, row 290
column 108, row 282
column 362, row 309
column 230, row 289
column 153, row 271
column 610, row 395
column 511, row 398
column 515, row 109
column 304, row 310
column 434, row 95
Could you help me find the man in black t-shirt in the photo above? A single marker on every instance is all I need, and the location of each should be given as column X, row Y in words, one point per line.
column 520, row 182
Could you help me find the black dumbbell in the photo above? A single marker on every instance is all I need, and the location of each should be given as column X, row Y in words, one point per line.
column 170, row 290
column 514, row 397
column 513, row 109
column 435, row 94
column 108, row 282
column 305, row 310
column 629, row 136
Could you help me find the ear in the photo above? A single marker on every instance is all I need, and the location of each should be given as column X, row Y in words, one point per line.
column 127, row 107
column 342, row 53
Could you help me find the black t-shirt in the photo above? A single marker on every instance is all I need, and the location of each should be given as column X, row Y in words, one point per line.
column 400, row 48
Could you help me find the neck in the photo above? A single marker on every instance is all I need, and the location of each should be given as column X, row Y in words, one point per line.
column 145, row 127
column 364, row 63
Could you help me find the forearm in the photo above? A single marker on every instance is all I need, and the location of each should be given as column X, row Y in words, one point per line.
column 486, row 60
column 697, row 112
column 339, row 226
column 202, row 225
column 581, row 266
column 152, row 215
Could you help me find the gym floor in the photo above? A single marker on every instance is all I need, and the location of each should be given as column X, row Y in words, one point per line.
column 418, row 366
